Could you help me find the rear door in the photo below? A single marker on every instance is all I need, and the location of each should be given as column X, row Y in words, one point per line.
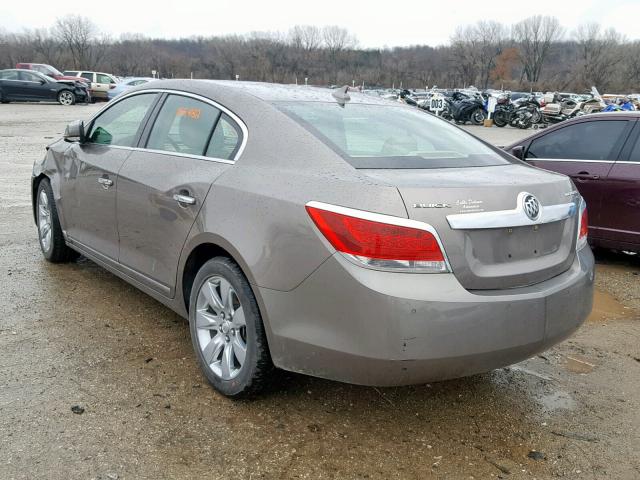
column 620, row 222
column 88, row 189
column 163, row 185
column 585, row 151
column 10, row 84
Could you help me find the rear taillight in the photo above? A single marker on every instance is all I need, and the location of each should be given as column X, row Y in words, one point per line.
column 379, row 241
column 583, row 225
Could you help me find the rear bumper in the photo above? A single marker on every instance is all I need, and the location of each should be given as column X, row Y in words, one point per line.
column 362, row 326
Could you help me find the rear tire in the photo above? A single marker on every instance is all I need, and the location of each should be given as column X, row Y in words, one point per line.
column 50, row 237
column 66, row 97
column 227, row 332
column 500, row 119
column 536, row 117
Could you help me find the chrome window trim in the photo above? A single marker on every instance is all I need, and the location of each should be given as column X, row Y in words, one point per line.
column 626, row 162
column 511, row 218
column 390, row 220
column 222, row 108
column 569, row 160
column 165, row 152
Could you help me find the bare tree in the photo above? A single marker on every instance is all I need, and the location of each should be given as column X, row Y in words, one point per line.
column 598, row 54
column 80, row 36
column 475, row 49
column 535, row 36
column 479, row 54
column 307, row 38
column 336, row 41
column 464, row 54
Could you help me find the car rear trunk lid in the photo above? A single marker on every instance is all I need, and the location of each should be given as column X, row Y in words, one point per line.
column 479, row 214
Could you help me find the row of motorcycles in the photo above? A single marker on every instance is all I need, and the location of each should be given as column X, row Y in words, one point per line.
column 524, row 112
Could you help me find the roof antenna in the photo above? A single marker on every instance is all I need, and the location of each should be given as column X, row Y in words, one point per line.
column 341, row 95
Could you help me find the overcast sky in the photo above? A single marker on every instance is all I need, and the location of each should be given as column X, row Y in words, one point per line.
column 375, row 24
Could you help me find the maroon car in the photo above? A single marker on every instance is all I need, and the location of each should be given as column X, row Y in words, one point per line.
column 49, row 71
column 601, row 154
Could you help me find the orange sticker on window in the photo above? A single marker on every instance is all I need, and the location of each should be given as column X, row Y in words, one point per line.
column 188, row 112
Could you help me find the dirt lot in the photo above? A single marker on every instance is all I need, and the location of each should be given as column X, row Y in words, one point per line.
column 75, row 335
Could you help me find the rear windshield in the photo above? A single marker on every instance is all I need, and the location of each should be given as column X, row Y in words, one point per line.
column 388, row 136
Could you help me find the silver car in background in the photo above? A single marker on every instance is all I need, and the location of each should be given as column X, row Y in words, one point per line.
column 323, row 232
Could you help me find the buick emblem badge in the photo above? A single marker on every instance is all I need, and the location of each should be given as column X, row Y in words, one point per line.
column 531, row 206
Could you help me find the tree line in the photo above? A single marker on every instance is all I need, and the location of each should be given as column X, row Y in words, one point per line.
column 537, row 53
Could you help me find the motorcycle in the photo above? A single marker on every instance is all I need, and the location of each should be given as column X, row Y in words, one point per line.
column 557, row 110
column 521, row 113
column 464, row 108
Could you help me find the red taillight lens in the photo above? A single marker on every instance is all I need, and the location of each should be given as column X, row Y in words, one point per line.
column 376, row 241
column 583, row 226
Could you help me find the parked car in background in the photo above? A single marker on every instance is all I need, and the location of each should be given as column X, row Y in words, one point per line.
column 50, row 72
column 127, row 83
column 18, row 85
column 101, row 82
column 601, row 153
column 325, row 232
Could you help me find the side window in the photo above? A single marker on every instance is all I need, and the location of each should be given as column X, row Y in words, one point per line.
column 29, row 77
column 101, row 78
column 120, row 124
column 183, row 125
column 225, row 140
column 44, row 70
column 635, row 153
column 9, row 75
column 581, row 141
column 87, row 75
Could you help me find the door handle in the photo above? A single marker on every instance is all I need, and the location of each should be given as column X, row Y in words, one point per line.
column 586, row 176
column 184, row 199
column 105, row 182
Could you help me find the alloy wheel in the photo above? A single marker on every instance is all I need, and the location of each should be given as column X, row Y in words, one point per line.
column 44, row 220
column 66, row 98
column 221, row 327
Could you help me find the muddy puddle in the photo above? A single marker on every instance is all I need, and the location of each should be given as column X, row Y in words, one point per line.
column 607, row 307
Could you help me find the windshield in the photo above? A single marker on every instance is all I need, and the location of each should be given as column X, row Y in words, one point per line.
column 388, row 136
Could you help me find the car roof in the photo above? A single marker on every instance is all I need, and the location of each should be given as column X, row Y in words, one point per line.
column 268, row 92
column 607, row 116
column 20, row 70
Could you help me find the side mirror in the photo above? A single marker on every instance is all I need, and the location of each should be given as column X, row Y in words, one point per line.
column 518, row 152
column 74, row 132
column 42, row 81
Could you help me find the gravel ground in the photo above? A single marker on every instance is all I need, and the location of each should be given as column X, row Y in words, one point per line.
column 97, row 380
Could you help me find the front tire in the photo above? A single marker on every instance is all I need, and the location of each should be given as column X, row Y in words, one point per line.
column 66, row 97
column 227, row 332
column 477, row 117
column 50, row 236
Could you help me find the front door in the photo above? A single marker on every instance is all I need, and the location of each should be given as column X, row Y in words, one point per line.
column 36, row 88
column 163, row 186
column 585, row 151
column 621, row 200
column 91, row 174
